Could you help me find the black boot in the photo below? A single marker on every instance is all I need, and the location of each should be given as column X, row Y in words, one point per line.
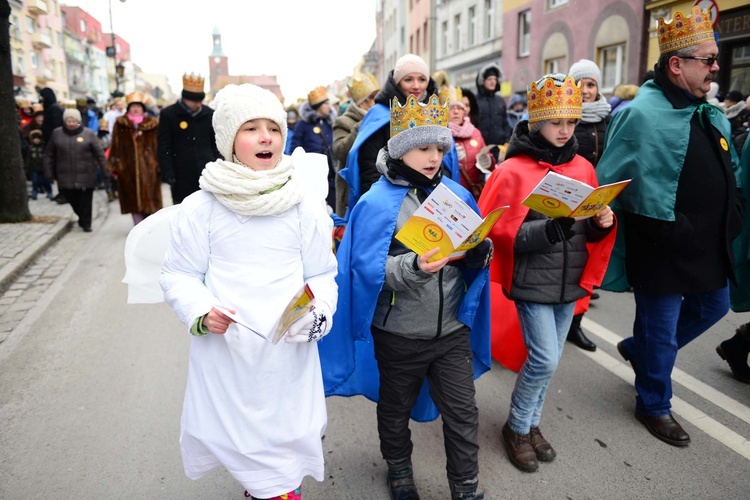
column 734, row 351
column 576, row 336
column 466, row 490
column 400, row 479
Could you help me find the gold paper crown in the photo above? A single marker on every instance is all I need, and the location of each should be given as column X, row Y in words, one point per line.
column 23, row 102
column 451, row 94
column 37, row 108
column 416, row 114
column 192, row 83
column 317, row 95
column 68, row 104
column 134, row 97
column 361, row 87
column 550, row 102
column 684, row 31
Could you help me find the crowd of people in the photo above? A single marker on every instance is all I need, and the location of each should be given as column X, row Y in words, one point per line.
column 412, row 331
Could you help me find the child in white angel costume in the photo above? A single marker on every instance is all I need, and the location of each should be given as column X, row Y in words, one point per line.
column 244, row 244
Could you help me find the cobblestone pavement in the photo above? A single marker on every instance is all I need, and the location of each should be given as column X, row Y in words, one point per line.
column 29, row 260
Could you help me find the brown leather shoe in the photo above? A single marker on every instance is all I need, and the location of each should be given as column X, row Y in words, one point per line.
column 520, row 452
column 664, row 427
column 544, row 451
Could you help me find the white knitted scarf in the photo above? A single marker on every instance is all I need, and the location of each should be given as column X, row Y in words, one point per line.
column 252, row 192
column 594, row 112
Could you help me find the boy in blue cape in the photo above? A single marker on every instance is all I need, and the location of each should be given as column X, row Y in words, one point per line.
column 421, row 321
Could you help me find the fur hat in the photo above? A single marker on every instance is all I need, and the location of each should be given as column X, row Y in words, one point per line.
column 410, row 64
column 586, row 69
column 35, row 133
column 416, row 124
column 72, row 113
column 236, row 104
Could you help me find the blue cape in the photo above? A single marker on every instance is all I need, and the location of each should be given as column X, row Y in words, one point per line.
column 347, row 353
column 376, row 118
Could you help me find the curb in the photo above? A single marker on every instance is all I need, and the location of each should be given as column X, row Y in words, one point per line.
column 18, row 264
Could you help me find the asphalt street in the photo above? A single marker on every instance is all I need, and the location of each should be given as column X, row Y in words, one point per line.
column 91, row 394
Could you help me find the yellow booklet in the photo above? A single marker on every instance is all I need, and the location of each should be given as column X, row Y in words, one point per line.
column 302, row 302
column 444, row 220
column 560, row 196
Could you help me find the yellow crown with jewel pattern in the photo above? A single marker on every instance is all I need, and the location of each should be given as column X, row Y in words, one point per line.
column 549, row 101
column 416, row 114
column 193, row 83
column 684, row 31
column 361, row 87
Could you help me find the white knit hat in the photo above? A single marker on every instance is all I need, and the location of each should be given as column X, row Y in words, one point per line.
column 410, row 63
column 586, row 69
column 72, row 113
column 236, row 104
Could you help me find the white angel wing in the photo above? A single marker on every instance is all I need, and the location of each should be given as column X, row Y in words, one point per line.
column 312, row 172
column 145, row 249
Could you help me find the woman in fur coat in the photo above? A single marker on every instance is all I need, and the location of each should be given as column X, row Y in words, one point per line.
column 133, row 158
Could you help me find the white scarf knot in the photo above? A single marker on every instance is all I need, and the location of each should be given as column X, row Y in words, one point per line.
column 253, row 192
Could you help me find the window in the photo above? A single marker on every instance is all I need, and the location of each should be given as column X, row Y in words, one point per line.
column 411, row 44
column 444, row 38
column 30, row 24
column 472, row 25
column 553, row 4
column 457, row 33
column 612, row 61
column 416, row 40
column 83, row 26
column 60, row 39
column 34, row 60
column 524, row 33
column 424, row 36
column 489, row 19
column 554, row 65
column 16, row 30
column 20, row 68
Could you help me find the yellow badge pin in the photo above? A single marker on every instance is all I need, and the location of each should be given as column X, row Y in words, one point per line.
column 724, row 144
column 183, row 125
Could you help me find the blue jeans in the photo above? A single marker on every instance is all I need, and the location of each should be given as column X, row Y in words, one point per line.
column 665, row 323
column 544, row 328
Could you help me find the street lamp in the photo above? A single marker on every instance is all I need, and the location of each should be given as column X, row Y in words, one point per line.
column 112, row 52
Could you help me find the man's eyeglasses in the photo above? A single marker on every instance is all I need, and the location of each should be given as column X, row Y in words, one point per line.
column 708, row 60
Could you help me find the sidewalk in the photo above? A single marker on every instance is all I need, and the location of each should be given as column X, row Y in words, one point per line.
column 21, row 243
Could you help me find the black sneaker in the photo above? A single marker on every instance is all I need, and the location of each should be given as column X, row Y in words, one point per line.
column 401, row 485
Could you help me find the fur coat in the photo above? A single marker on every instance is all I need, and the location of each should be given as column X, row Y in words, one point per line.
column 133, row 157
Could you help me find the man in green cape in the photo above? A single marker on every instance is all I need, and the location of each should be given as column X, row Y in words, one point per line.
column 679, row 215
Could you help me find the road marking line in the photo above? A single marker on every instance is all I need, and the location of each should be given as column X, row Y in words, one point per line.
column 696, row 417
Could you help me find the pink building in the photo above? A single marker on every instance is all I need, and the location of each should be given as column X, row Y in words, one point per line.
column 546, row 36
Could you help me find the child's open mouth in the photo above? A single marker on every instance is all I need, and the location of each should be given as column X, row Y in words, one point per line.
column 265, row 155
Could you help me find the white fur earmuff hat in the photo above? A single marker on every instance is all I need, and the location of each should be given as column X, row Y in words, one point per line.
column 236, row 104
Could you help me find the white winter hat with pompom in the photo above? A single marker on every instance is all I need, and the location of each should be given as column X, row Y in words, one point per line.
column 237, row 104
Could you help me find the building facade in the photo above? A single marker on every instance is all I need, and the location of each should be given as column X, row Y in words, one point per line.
column 37, row 46
column 87, row 64
column 548, row 36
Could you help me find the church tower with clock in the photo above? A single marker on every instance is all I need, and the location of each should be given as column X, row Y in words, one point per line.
column 218, row 63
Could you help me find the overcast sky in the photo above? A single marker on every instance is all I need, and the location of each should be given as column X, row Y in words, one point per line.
column 306, row 43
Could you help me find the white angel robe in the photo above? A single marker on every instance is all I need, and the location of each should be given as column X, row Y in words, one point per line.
column 255, row 408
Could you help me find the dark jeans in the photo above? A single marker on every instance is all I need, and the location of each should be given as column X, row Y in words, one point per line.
column 665, row 323
column 80, row 200
column 446, row 362
column 39, row 181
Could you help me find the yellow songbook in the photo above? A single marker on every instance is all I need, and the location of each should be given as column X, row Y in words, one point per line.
column 444, row 220
column 560, row 196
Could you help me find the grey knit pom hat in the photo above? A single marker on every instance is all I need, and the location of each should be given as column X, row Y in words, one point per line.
column 416, row 124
